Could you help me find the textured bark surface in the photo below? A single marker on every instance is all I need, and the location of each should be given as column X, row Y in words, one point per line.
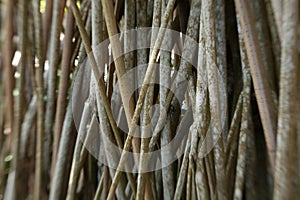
column 149, row 99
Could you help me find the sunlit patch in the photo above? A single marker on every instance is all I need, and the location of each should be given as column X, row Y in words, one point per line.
column 8, row 158
column 17, row 75
column 46, row 65
column 16, row 58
